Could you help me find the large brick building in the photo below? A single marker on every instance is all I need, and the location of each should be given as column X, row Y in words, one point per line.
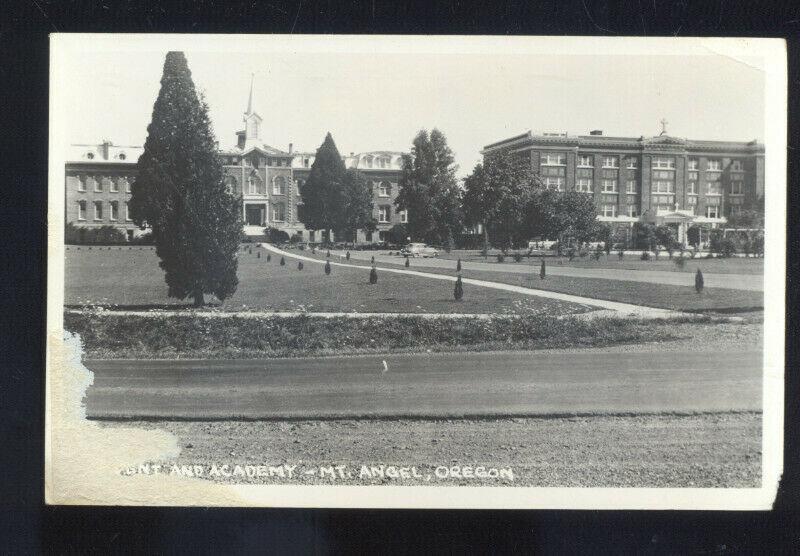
column 99, row 177
column 660, row 179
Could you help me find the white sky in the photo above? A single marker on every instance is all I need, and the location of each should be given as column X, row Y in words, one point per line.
column 378, row 101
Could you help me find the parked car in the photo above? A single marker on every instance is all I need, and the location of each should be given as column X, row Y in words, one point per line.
column 419, row 250
column 542, row 245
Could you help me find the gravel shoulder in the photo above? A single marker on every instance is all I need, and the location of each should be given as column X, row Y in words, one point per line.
column 704, row 450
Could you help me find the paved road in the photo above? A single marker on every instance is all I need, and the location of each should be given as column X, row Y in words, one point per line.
column 751, row 282
column 430, row 385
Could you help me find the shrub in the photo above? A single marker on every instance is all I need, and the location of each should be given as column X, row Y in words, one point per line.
column 727, row 248
column 329, row 254
column 373, row 276
column 327, row 267
column 407, row 263
column 698, row 281
column 458, row 265
column 274, row 235
column 458, row 290
column 680, row 262
column 542, row 270
column 283, row 261
column 269, row 257
column 517, row 257
column 571, row 253
column 299, row 265
column 104, row 235
column 373, row 259
column 645, row 256
column 347, row 255
column 598, row 252
column 621, row 254
column 500, row 257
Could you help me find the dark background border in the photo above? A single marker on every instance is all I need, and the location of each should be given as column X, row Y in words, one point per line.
column 27, row 526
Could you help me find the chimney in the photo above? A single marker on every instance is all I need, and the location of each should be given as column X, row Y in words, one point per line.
column 105, row 148
column 352, row 153
column 290, row 148
column 596, row 132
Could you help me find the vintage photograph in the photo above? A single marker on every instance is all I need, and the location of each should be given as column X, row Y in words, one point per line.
column 415, row 272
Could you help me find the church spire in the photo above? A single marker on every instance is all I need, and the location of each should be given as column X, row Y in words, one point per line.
column 250, row 98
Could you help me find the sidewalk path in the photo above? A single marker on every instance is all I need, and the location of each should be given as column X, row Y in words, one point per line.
column 626, row 308
column 750, row 282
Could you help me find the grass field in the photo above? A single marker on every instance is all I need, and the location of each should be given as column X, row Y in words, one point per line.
column 131, row 278
column 665, row 296
column 734, row 265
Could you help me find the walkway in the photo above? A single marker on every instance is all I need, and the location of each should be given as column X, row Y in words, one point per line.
column 625, row 308
column 750, row 282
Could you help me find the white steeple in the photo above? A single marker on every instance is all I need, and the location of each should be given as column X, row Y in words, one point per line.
column 252, row 121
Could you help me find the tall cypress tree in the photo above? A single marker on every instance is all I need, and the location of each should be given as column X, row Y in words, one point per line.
column 179, row 192
column 321, row 192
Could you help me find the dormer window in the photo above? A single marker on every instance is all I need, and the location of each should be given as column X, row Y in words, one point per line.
column 90, row 155
column 122, row 156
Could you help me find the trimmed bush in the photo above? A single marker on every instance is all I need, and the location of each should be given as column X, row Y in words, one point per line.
column 698, row 281
column 645, row 256
column 542, row 270
column 458, row 265
column 347, row 255
column 407, row 263
column 372, row 260
column 269, row 257
column 327, row 267
column 501, row 258
column 458, row 290
column 517, row 257
column 299, row 265
column 373, row 276
column 283, row 261
column 274, row 235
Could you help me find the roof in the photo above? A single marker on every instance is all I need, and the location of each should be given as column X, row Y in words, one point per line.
column 666, row 142
column 105, row 152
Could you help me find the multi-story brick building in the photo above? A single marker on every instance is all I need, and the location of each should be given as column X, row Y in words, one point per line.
column 660, row 179
column 99, row 177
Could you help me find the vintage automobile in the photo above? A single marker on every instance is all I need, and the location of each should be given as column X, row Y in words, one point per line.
column 419, row 250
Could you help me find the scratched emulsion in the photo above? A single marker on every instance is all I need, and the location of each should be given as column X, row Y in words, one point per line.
column 84, row 461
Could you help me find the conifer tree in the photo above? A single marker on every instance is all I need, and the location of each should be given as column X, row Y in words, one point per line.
column 373, row 275
column 458, row 265
column 698, row 281
column 269, row 257
column 300, row 265
column 327, row 267
column 458, row 290
column 283, row 261
column 179, row 192
column 542, row 271
column 321, row 192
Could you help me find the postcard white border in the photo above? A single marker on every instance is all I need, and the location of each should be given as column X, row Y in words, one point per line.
column 773, row 53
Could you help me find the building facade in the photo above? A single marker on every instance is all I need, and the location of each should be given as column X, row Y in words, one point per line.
column 660, row 179
column 99, row 177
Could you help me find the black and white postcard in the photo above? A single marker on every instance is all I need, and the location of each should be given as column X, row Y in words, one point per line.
column 416, row 272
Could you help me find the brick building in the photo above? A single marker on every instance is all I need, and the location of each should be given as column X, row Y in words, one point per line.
column 661, row 179
column 99, row 177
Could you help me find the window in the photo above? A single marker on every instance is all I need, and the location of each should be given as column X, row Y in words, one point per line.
column 114, row 210
column 81, row 183
column 98, row 185
column 383, row 162
column 633, row 164
column 127, row 212
column 610, row 210
column 609, row 186
column 98, row 210
column 554, row 183
column 713, row 165
column 255, row 186
column 404, row 216
column 278, row 212
column 113, row 186
column 633, row 211
column 691, row 188
column 90, row 155
column 81, row 210
column 122, row 156
column 230, row 185
column 734, row 209
column 584, row 185
column 737, row 188
column 712, row 211
column 384, row 212
column 384, row 189
column 279, row 185
column 585, row 160
column 694, row 164
column 663, row 201
column 663, row 186
column 368, row 161
column 663, row 163
column 713, row 188
column 631, row 187
column 127, row 184
column 610, row 162
column 736, row 166
column 306, row 162
column 693, row 176
column 554, row 159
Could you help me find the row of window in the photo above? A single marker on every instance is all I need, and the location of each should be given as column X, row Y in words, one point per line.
column 658, row 162
column 113, row 210
column 712, row 211
column 585, row 185
column 258, row 161
column 105, row 183
column 385, row 214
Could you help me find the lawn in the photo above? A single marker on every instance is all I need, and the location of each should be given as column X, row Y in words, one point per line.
column 665, row 296
column 130, row 278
